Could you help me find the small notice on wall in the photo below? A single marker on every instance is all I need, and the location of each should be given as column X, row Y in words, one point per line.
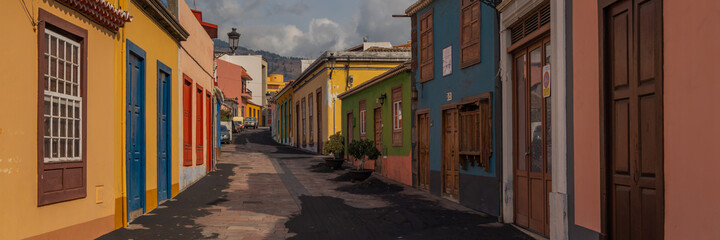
column 447, row 61
column 546, row 81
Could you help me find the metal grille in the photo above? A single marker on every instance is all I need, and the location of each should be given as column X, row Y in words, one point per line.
column 62, row 100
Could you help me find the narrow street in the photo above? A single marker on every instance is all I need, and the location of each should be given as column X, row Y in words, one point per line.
column 263, row 190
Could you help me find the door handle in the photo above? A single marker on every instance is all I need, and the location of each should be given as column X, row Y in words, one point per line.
column 527, row 153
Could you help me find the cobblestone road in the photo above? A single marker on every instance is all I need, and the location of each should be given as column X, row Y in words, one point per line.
column 263, row 190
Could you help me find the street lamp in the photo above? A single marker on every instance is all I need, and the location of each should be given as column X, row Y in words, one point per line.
column 233, row 39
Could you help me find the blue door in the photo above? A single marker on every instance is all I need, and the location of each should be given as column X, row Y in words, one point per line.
column 135, row 131
column 163, row 113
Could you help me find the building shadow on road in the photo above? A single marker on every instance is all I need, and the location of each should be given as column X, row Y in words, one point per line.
column 175, row 218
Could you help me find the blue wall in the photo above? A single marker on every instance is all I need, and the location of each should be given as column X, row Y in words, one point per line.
column 462, row 83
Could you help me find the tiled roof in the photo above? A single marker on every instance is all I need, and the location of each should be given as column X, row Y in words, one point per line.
column 393, row 49
column 415, row 7
column 101, row 12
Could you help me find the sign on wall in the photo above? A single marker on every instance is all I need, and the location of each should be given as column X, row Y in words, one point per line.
column 546, row 81
column 447, row 61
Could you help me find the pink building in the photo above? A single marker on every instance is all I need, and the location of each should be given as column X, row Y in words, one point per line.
column 645, row 112
column 231, row 79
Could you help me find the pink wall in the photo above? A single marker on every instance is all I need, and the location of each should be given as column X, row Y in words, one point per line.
column 229, row 77
column 586, row 115
column 692, row 119
column 398, row 168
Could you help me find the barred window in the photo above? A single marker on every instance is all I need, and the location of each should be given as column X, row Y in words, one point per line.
column 363, row 119
column 63, row 100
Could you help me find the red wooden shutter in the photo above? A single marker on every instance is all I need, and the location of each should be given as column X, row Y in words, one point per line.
column 470, row 31
column 426, row 47
column 199, row 127
column 187, row 121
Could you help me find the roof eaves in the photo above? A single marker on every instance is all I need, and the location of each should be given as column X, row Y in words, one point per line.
column 417, row 6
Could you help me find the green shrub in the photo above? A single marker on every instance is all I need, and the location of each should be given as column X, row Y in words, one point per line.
column 335, row 145
column 363, row 150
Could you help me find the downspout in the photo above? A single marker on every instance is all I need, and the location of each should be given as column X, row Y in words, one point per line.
column 498, row 115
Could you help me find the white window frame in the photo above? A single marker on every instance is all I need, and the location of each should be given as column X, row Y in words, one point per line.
column 397, row 115
column 72, row 102
column 363, row 122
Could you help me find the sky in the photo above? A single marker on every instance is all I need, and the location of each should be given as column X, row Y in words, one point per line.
column 307, row 28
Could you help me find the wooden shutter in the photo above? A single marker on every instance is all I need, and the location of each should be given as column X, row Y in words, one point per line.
column 426, row 47
column 199, row 126
column 397, row 116
column 187, row 121
column 475, row 142
column 470, row 32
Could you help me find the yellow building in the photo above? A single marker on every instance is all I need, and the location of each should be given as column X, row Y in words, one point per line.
column 275, row 82
column 57, row 144
column 282, row 123
column 316, row 109
column 147, row 98
column 253, row 110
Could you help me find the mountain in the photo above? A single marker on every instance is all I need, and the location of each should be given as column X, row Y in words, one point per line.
column 287, row 66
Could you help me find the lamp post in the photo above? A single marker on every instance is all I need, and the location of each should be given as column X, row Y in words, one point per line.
column 233, row 40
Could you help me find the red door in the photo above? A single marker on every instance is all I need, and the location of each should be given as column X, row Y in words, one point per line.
column 199, row 126
column 187, row 121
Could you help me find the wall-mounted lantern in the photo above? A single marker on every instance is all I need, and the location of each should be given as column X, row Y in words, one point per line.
column 381, row 99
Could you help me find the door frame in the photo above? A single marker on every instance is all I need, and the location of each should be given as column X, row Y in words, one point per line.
column 297, row 124
column 133, row 49
column 417, row 148
column 605, row 215
column 443, row 109
column 168, row 135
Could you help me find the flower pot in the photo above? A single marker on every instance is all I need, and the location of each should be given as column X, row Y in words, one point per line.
column 338, row 155
column 360, row 175
column 334, row 163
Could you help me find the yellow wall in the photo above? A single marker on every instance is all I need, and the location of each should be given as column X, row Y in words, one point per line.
column 332, row 107
column 254, row 111
column 158, row 45
column 275, row 81
column 20, row 217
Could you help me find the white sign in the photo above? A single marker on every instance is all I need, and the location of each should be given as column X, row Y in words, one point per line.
column 447, row 61
column 546, row 81
column 449, row 96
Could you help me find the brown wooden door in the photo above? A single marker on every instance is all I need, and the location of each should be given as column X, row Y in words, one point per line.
column 377, row 115
column 297, row 124
column 350, row 130
column 450, row 158
column 318, row 116
column 632, row 81
column 533, row 178
column 423, row 146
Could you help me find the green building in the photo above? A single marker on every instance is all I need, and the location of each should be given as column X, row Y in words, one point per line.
column 380, row 110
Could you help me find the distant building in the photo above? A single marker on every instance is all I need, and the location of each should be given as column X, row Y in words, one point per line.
column 256, row 67
column 275, row 82
column 315, row 106
column 232, row 80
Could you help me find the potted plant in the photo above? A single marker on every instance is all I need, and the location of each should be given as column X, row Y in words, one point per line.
column 362, row 150
column 334, row 146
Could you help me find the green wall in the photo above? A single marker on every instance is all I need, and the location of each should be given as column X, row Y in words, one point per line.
column 370, row 94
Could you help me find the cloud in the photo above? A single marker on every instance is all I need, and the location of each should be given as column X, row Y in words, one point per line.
column 257, row 21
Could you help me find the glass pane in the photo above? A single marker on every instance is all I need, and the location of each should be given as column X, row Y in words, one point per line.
column 46, row 147
column 521, row 96
column 536, row 102
column 548, row 139
column 548, row 118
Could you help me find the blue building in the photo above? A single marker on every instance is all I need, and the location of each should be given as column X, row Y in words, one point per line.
column 454, row 69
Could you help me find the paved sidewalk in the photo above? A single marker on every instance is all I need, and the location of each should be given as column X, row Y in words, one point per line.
column 263, row 190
